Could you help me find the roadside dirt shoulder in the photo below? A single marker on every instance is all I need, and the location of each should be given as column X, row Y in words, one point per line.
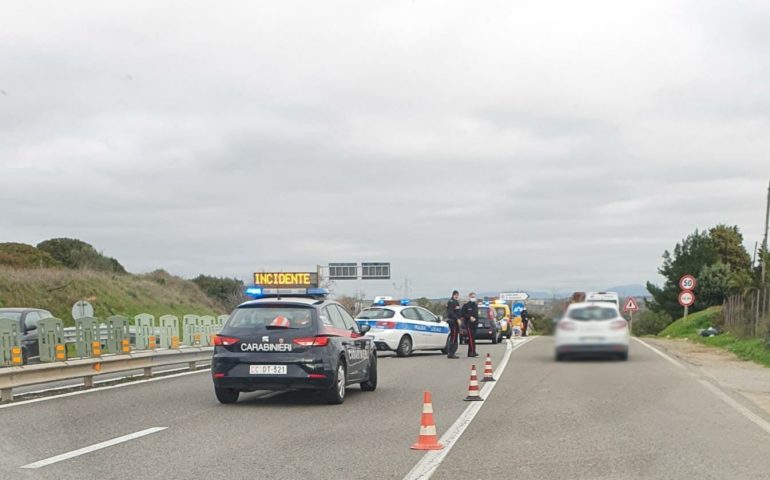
column 723, row 367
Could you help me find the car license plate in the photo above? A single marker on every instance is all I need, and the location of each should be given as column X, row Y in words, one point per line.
column 593, row 339
column 267, row 369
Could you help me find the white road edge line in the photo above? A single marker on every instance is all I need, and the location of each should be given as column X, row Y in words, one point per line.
column 748, row 414
column 432, row 460
column 663, row 355
column 93, row 448
column 100, row 389
column 751, row 416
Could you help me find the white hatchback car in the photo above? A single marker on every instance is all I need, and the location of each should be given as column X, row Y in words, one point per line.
column 592, row 329
column 404, row 329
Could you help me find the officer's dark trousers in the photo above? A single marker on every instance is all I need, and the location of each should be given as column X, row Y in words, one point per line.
column 454, row 337
column 471, row 330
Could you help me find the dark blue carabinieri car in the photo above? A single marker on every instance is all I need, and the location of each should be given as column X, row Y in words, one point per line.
column 292, row 341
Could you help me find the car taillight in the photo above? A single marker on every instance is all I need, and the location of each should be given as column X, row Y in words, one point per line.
column 311, row 341
column 386, row 324
column 618, row 324
column 566, row 325
column 316, row 376
column 219, row 375
column 222, row 341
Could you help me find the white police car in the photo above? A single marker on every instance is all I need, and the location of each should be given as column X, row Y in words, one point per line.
column 403, row 328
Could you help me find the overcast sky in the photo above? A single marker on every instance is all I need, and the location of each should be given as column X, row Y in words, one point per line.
column 546, row 145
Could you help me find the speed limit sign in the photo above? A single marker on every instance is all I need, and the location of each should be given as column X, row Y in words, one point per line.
column 686, row 298
column 687, row 283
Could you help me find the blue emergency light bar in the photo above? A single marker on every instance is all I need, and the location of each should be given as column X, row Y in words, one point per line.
column 405, row 302
column 257, row 291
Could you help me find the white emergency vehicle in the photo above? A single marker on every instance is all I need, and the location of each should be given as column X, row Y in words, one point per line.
column 404, row 328
column 609, row 297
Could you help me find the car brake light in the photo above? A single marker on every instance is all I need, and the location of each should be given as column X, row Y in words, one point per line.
column 316, row 376
column 222, row 341
column 566, row 325
column 311, row 341
column 386, row 324
column 219, row 375
column 618, row 324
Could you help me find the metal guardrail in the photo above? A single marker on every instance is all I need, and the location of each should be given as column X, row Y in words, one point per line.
column 88, row 368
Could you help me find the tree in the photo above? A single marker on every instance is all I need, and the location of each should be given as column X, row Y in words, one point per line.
column 21, row 255
column 689, row 257
column 350, row 303
column 728, row 243
column 651, row 323
column 74, row 253
column 713, row 284
column 228, row 291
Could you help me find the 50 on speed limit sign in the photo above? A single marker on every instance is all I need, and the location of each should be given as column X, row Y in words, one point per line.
column 686, row 298
column 687, row 283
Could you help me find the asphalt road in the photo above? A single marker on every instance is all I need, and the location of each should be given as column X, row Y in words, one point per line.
column 644, row 418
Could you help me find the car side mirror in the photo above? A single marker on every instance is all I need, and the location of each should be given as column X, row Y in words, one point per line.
column 440, row 318
column 364, row 328
column 31, row 327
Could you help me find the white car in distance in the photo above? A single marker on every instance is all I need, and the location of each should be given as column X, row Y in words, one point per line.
column 592, row 329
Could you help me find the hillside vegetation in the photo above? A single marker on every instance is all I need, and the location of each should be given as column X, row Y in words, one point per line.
column 56, row 289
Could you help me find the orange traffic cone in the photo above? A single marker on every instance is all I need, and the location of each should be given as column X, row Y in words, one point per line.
column 473, row 388
column 428, row 440
column 488, row 370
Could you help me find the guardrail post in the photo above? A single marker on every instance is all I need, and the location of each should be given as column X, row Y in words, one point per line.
column 145, row 325
column 88, row 382
column 189, row 328
column 169, row 329
column 117, row 331
column 192, row 365
column 148, row 372
column 6, row 395
column 50, row 340
column 207, row 328
column 86, row 332
column 10, row 338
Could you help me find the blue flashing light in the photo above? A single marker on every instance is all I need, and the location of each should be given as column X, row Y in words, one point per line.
column 405, row 302
column 321, row 292
column 255, row 291
column 486, row 303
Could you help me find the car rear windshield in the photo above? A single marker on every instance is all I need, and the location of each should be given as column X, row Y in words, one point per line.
column 500, row 311
column 265, row 318
column 376, row 314
column 11, row 315
column 485, row 312
column 593, row 313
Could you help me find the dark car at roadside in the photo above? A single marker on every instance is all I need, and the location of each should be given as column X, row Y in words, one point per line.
column 28, row 319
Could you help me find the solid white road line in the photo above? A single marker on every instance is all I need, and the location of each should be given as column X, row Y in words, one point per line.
column 748, row 414
column 751, row 416
column 100, row 389
column 93, row 448
column 431, row 460
column 663, row 355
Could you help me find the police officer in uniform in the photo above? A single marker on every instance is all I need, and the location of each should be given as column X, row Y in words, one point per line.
column 470, row 314
column 453, row 315
column 524, row 321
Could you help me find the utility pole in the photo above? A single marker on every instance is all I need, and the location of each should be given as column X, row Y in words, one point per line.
column 764, row 242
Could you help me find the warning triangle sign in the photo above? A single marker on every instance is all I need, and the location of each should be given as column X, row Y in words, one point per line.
column 631, row 305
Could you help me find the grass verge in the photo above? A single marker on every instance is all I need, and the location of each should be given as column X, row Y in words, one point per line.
column 751, row 349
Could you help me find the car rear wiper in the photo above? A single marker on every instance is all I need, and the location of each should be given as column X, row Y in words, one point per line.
column 276, row 327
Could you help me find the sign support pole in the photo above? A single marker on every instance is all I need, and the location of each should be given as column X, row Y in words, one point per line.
column 685, row 312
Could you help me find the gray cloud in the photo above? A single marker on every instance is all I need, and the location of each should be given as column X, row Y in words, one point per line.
column 474, row 146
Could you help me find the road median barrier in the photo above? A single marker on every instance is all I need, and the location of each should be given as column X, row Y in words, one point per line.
column 87, row 368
